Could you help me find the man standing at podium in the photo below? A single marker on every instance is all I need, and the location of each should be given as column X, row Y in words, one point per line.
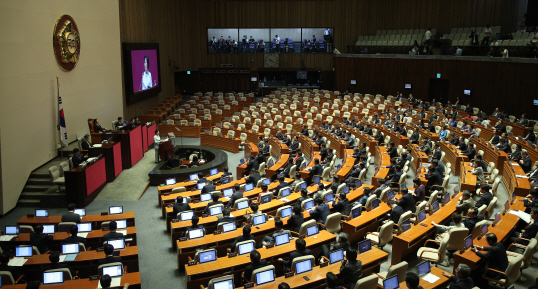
column 157, row 140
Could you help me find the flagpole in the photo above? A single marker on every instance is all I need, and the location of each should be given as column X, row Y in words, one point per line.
column 59, row 118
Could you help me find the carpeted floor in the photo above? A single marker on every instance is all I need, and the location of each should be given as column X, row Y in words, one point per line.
column 158, row 263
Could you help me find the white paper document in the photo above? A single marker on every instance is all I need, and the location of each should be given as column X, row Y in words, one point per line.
column 284, row 200
column 522, row 176
column 430, row 278
column 62, row 258
column 83, row 235
column 97, row 145
column 6, row 237
column 17, row 261
column 524, row 216
column 124, row 232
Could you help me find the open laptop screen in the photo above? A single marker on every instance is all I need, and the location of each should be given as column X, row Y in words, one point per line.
column 406, row 225
column 302, row 267
column 309, row 204
column 484, row 229
column 213, row 172
column 228, row 227
column 312, row 230
column 112, row 271
column 23, row 251
column 200, row 186
column 53, row 278
column 228, row 192
column 249, row 187
column 12, row 230
column 246, row 248
column 207, row 256
column 84, row 227
column 266, row 181
column 375, row 203
column 265, row 277
column 117, row 244
column 435, row 207
column 193, row 177
column 303, row 186
column 317, row 180
column 258, row 220
column 49, row 229
column 365, row 246
column 80, row 212
column 70, row 249
column 423, row 268
column 285, row 192
column 336, row 256
column 282, row 239
column 329, row 197
column 391, row 283
column 171, row 181
column 42, row 213
column 356, row 212
column 266, row 198
column 114, row 210
column 421, row 216
column 225, row 180
column 286, row 212
column 468, row 241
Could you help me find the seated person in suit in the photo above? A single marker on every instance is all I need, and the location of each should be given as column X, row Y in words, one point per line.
column 495, row 258
column 74, row 239
column 470, row 152
column 113, row 234
column 201, row 178
column 305, row 130
column 366, row 191
column 351, row 268
column 238, row 194
column 407, row 202
column 97, row 128
column 341, row 243
column 321, row 211
column 255, row 263
column 332, row 281
column 245, row 237
column 341, row 204
column 356, row 172
column 281, row 184
column 504, row 146
column 40, row 240
column 296, row 181
column 253, row 178
column 530, row 231
column 472, row 218
column 85, row 143
column 434, row 179
column 54, row 258
column 393, row 153
column 109, row 256
column 254, row 209
column 525, row 162
column 486, row 198
column 70, row 216
column 296, row 220
column 226, row 218
column 77, row 158
column 4, row 261
column 465, row 203
column 214, row 201
column 266, row 148
column 304, row 196
column 300, row 251
column 105, row 282
column 286, row 140
column 279, row 230
column 289, row 164
column 209, row 188
column 225, row 172
column 412, row 280
column 462, row 279
column 316, row 170
column 425, row 147
column 396, row 212
column 439, row 167
column 531, row 200
column 420, row 190
column 395, row 178
column 195, row 219
column 119, row 124
column 254, row 163
column 180, row 206
column 516, row 155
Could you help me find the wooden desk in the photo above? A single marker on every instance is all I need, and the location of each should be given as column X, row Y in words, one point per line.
column 200, row 274
column 409, row 241
column 161, row 190
column 272, row 171
column 370, row 260
column 347, row 166
column 251, row 148
column 305, row 173
column 96, row 220
column 394, row 137
column 366, row 222
column 490, row 155
column 186, row 130
column 361, row 137
column 336, row 143
column 132, row 278
column 382, row 159
column 307, row 146
column 467, row 179
column 220, row 142
column 510, row 179
column 455, row 159
column 112, row 154
column 84, row 184
column 418, row 156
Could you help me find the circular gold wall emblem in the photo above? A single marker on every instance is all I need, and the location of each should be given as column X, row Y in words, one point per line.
column 66, row 42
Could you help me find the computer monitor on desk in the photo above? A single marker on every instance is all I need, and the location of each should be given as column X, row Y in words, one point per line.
column 468, row 242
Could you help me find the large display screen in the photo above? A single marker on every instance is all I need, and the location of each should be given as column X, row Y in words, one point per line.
column 145, row 70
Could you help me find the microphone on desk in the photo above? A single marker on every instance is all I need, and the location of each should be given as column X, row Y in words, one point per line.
column 177, row 129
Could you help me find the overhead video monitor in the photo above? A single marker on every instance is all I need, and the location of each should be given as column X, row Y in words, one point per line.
column 467, row 91
column 353, row 82
column 141, row 66
column 254, row 79
column 408, row 86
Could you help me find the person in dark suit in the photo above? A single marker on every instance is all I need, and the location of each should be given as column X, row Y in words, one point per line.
column 70, row 216
column 201, row 178
column 503, row 146
column 425, row 147
column 225, row 172
column 393, row 153
column 501, row 126
column 238, row 194
column 286, row 140
column 97, row 128
column 495, row 258
column 281, row 184
column 300, row 251
column 316, row 170
column 109, row 257
column 253, row 178
column 4, row 260
column 304, row 131
column 349, row 140
column 436, row 152
column 226, row 218
column 195, row 219
column 294, row 144
column 486, row 196
column 74, row 239
column 289, row 165
column 323, row 152
column 434, row 179
column 336, row 183
column 40, row 240
column 85, row 143
column 379, row 137
column 516, row 155
column 495, row 138
column 118, row 124
column 304, row 196
column 341, row 243
column 462, row 279
column 113, row 235
column 530, row 231
column 296, row 220
column 472, row 218
column 342, row 206
column 407, row 202
column 530, row 136
column 396, row 211
column 525, row 162
column 255, row 263
column 214, row 201
column 321, row 211
column 245, row 237
column 265, row 151
column 331, row 280
column 412, row 280
column 395, row 178
column 77, row 158
column 209, row 187
column 252, row 164
column 180, row 206
column 439, row 167
column 533, row 202
column 54, row 258
column 368, row 129
column 351, row 268
column 470, row 152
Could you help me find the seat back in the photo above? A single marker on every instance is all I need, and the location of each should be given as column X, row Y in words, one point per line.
column 477, row 231
column 491, row 207
column 405, row 216
column 178, row 190
column 7, row 278
column 305, row 225
column 456, row 238
column 54, row 173
column 211, row 284
column 26, row 229
column 301, row 259
column 399, row 269
column 64, row 167
column 332, row 223
column 326, row 174
column 65, row 226
column 529, row 251
column 66, row 273
column 261, row 169
column 513, row 271
column 100, row 268
column 385, row 194
column 385, row 233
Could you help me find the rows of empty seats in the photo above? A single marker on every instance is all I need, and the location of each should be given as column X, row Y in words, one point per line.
column 402, row 37
column 467, row 42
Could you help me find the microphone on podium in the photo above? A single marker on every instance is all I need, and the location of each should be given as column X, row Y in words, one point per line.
column 177, row 129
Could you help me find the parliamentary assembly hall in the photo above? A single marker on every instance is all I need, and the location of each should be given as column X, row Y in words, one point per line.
column 303, row 144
